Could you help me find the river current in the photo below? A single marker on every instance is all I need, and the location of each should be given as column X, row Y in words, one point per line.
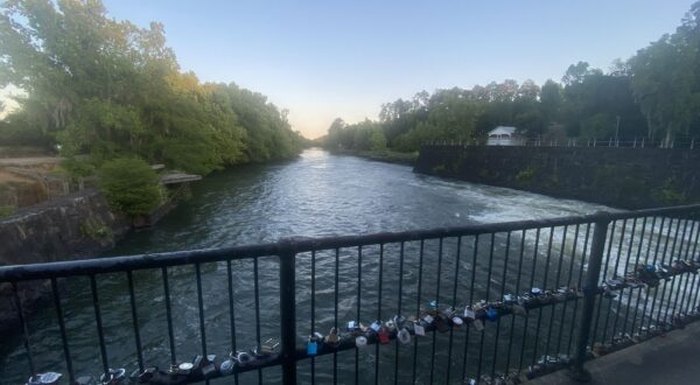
column 316, row 195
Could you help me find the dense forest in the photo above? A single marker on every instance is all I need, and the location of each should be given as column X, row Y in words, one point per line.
column 100, row 89
column 654, row 95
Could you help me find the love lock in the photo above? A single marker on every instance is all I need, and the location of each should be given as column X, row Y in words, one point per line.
column 491, row 314
column 226, row 367
column 441, row 324
column 399, row 321
column 404, row 336
column 376, row 326
column 312, row 346
column 383, row 336
column 48, row 378
column 268, row 348
column 469, row 313
column 209, row 366
column 418, row 329
column 184, row 368
column 332, row 338
column 360, row 341
column 113, row 376
column 242, row 358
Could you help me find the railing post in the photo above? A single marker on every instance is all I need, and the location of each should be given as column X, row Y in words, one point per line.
column 288, row 314
column 590, row 288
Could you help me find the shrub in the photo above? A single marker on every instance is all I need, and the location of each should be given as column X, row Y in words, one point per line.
column 130, row 186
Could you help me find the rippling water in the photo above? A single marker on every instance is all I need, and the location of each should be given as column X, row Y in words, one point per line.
column 316, row 195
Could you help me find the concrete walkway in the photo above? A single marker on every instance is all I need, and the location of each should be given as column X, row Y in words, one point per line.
column 673, row 359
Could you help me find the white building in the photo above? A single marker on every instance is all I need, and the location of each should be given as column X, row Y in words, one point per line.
column 505, row 136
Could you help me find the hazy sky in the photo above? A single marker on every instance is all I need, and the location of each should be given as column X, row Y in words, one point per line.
column 328, row 59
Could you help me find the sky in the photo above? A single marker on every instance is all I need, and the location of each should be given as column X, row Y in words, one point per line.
column 324, row 59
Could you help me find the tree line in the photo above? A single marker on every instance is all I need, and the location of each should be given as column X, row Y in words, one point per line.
column 101, row 89
column 654, row 95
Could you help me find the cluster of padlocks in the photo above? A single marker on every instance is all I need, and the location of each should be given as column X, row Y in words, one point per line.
column 432, row 317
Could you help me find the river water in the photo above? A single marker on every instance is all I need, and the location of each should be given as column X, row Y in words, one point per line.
column 316, row 195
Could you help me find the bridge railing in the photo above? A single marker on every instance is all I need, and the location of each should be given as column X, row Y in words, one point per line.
column 479, row 302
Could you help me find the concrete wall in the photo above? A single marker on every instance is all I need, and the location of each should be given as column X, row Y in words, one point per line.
column 72, row 227
column 630, row 178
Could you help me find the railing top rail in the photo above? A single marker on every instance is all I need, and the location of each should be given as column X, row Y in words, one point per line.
column 291, row 246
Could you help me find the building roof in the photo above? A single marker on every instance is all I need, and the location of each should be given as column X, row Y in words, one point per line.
column 503, row 130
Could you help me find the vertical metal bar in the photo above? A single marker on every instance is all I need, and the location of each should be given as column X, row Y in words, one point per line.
column 695, row 277
column 672, row 305
column 471, row 301
column 615, row 273
column 335, row 312
column 359, row 308
column 379, row 309
column 572, row 257
column 257, row 310
column 584, row 252
column 454, row 303
column 229, row 273
column 540, row 310
column 200, row 303
column 532, row 283
column 685, row 309
column 550, row 327
column 517, row 291
column 656, row 252
column 312, row 319
column 605, row 276
column 503, row 292
column 169, row 315
column 629, row 296
column 488, row 293
column 396, row 346
column 135, row 318
column 418, row 296
column 589, row 291
column 663, row 259
column 25, row 330
column 636, row 264
column 62, row 328
column 98, row 320
column 437, row 301
column 288, row 318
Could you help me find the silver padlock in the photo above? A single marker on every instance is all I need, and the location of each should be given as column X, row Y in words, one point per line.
column 418, row 329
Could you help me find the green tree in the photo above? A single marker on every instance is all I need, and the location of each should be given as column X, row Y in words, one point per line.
column 130, row 186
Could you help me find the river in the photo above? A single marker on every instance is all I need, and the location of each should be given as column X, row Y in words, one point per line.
column 315, row 195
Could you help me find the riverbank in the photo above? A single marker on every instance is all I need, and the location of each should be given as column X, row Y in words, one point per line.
column 387, row 156
column 71, row 227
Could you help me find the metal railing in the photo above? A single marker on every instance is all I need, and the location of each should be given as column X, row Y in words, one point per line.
column 481, row 302
column 642, row 142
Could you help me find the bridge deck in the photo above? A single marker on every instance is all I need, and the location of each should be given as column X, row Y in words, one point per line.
column 668, row 360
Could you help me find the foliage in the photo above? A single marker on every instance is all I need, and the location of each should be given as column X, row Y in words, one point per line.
column 130, row 186
column 654, row 95
column 109, row 89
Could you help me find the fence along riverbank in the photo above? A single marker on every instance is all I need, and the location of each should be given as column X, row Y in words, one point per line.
column 504, row 300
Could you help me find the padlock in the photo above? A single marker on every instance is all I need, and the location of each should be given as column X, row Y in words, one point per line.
column 404, row 336
column 332, row 338
column 209, row 370
column 197, row 361
column 457, row 321
column 469, row 313
column 185, row 368
column 360, row 341
column 353, row 326
column 376, row 326
column 269, row 347
column 48, row 378
column 383, row 336
column 312, row 346
column 508, row 299
column 418, row 329
column 427, row 319
column 113, row 376
column 399, row 321
column 226, row 367
column 433, row 305
column 491, row 314
column 242, row 358
column 536, row 291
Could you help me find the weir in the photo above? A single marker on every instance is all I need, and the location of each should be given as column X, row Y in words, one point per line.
column 472, row 304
